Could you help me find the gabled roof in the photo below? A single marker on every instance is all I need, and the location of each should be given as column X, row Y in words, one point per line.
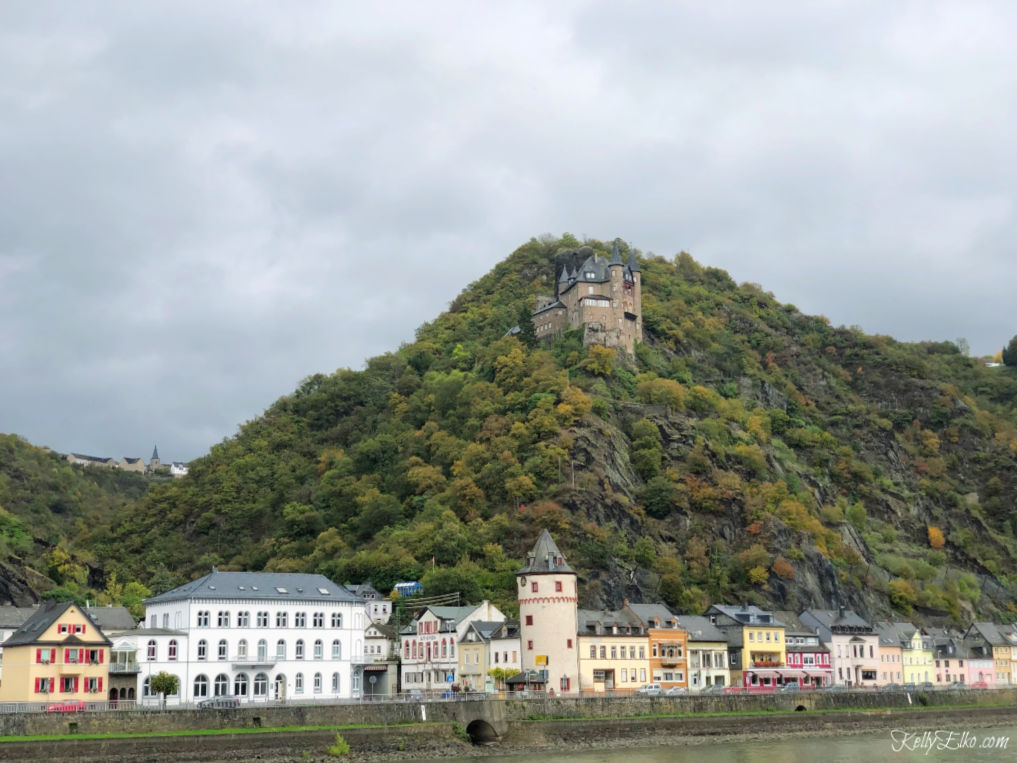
column 894, row 634
column 388, row 630
column 507, row 629
column 278, row 586
column 112, row 618
column 700, row 628
column 792, row 625
column 15, row 617
column 364, row 591
column 840, row 621
column 990, row 632
column 33, row 628
column 545, row 557
column 648, row 612
column 455, row 614
column 589, row 619
column 745, row 614
column 483, row 628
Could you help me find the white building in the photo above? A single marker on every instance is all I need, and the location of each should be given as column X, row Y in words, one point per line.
column 257, row 636
column 430, row 661
column 379, row 609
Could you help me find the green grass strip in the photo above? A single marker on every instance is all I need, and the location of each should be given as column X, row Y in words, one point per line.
column 206, row 732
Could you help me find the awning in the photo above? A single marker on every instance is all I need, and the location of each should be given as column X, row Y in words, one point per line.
column 375, row 668
column 762, row 672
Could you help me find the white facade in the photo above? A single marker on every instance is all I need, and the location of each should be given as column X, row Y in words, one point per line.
column 257, row 640
column 429, row 658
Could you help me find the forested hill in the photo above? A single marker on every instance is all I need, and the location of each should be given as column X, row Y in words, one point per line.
column 748, row 453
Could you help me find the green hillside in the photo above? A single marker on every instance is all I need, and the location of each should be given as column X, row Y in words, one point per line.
column 749, row 452
column 49, row 511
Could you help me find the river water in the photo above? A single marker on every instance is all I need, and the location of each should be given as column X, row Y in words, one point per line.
column 947, row 744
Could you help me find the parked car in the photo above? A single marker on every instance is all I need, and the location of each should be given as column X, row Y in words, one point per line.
column 835, row 688
column 926, row 686
column 910, row 687
column 414, row 695
column 714, row 689
column 68, row 706
column 979, row 685
column 734, row 690
column 958, row 685
column 789, row 688
column 675, row 691
column 892, row 687
column 650, row 690
column 219, row 703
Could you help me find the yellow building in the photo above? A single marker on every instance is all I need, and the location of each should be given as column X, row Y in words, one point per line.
column 613, row 649
column 58, row 656
column 994, row 639
column 916, row 656
column 756, row 649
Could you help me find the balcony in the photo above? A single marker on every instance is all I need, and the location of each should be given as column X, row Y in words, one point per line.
column 123, row 668
column 766, row 662
column 670, row 660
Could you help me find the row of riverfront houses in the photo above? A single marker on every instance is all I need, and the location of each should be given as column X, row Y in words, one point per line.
column 299, row 637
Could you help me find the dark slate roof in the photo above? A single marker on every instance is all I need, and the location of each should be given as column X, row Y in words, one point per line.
column 647, row 612
column 543, row 558
column 101, row 459
column 364, row 591
column 112, row 618
column 149, row 632
column 615, row 256
column 507, row 629
column 130, row 460
column 484, row 629
column 990, row 632
column 633, row 265
column 792, row 625
column 388, row 630
column 454, row 614
column 589, row 619
column 295, row 586
column 746, row 614
column 840, row 621
column 15, row 617
column 894, row 634
column 33, row 628
column 700, row 628
column 155, row 453
column 556, row 304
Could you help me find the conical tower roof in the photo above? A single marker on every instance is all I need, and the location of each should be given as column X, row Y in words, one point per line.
column 545, row 557
column 155, row 453
column 633, row 265
column 615, row 255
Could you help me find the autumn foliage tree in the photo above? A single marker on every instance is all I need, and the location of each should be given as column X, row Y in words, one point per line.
column 936, row 539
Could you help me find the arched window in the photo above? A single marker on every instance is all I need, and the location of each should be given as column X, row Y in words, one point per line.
column 451, row 648
column 260, row 685
column 224, row 619
column 173, row 649
column 151, row 649
column 242, row 649
column 146, row 687
column 319, row 619
column 201, row 686
column 222, row 649
column 203, row 650
column 281, row 620
column 337, row 619
column 280, row 649
column 335, row 683
column 337, row 650
column 262, row 650
column 222, row 685
column 300, row 649
column 240, row 685
column 317, row 683
column 300, row 620
column 298, row 683
column 444, row 648
column 318, row 650
column 243, row 619
column 406, row 649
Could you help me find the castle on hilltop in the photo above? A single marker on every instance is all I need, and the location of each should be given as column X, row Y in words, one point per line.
column 601, row 296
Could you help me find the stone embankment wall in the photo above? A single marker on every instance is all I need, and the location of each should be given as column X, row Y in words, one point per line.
column 499, row 713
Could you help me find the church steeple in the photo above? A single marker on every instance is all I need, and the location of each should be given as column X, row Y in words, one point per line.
column 155, row 453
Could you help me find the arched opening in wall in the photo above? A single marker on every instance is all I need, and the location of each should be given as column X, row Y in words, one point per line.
column 482, row 732
column 800, row 709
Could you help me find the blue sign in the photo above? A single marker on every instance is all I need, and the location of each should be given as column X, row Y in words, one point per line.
column 450, row 678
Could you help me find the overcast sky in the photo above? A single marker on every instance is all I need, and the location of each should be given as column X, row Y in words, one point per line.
column 201, row 203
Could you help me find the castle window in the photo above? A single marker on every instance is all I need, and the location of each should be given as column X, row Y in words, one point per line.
column 529, row 619
column 557, row 586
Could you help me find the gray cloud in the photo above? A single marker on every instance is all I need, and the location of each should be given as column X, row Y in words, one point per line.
column 203, row 203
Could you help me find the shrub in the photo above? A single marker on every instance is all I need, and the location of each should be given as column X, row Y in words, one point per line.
column 341, row 748
column 936, row 539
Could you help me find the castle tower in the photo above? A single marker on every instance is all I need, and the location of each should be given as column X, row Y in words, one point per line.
column 154, row 463
column 547, row 591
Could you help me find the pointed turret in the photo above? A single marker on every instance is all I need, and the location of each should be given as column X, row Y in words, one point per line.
column 155, row 453
column 615, row 255
column 545, row 557
column 633, row 265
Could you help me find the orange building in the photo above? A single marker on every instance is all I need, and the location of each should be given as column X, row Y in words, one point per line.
column 668, row 643
column 59, row 655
